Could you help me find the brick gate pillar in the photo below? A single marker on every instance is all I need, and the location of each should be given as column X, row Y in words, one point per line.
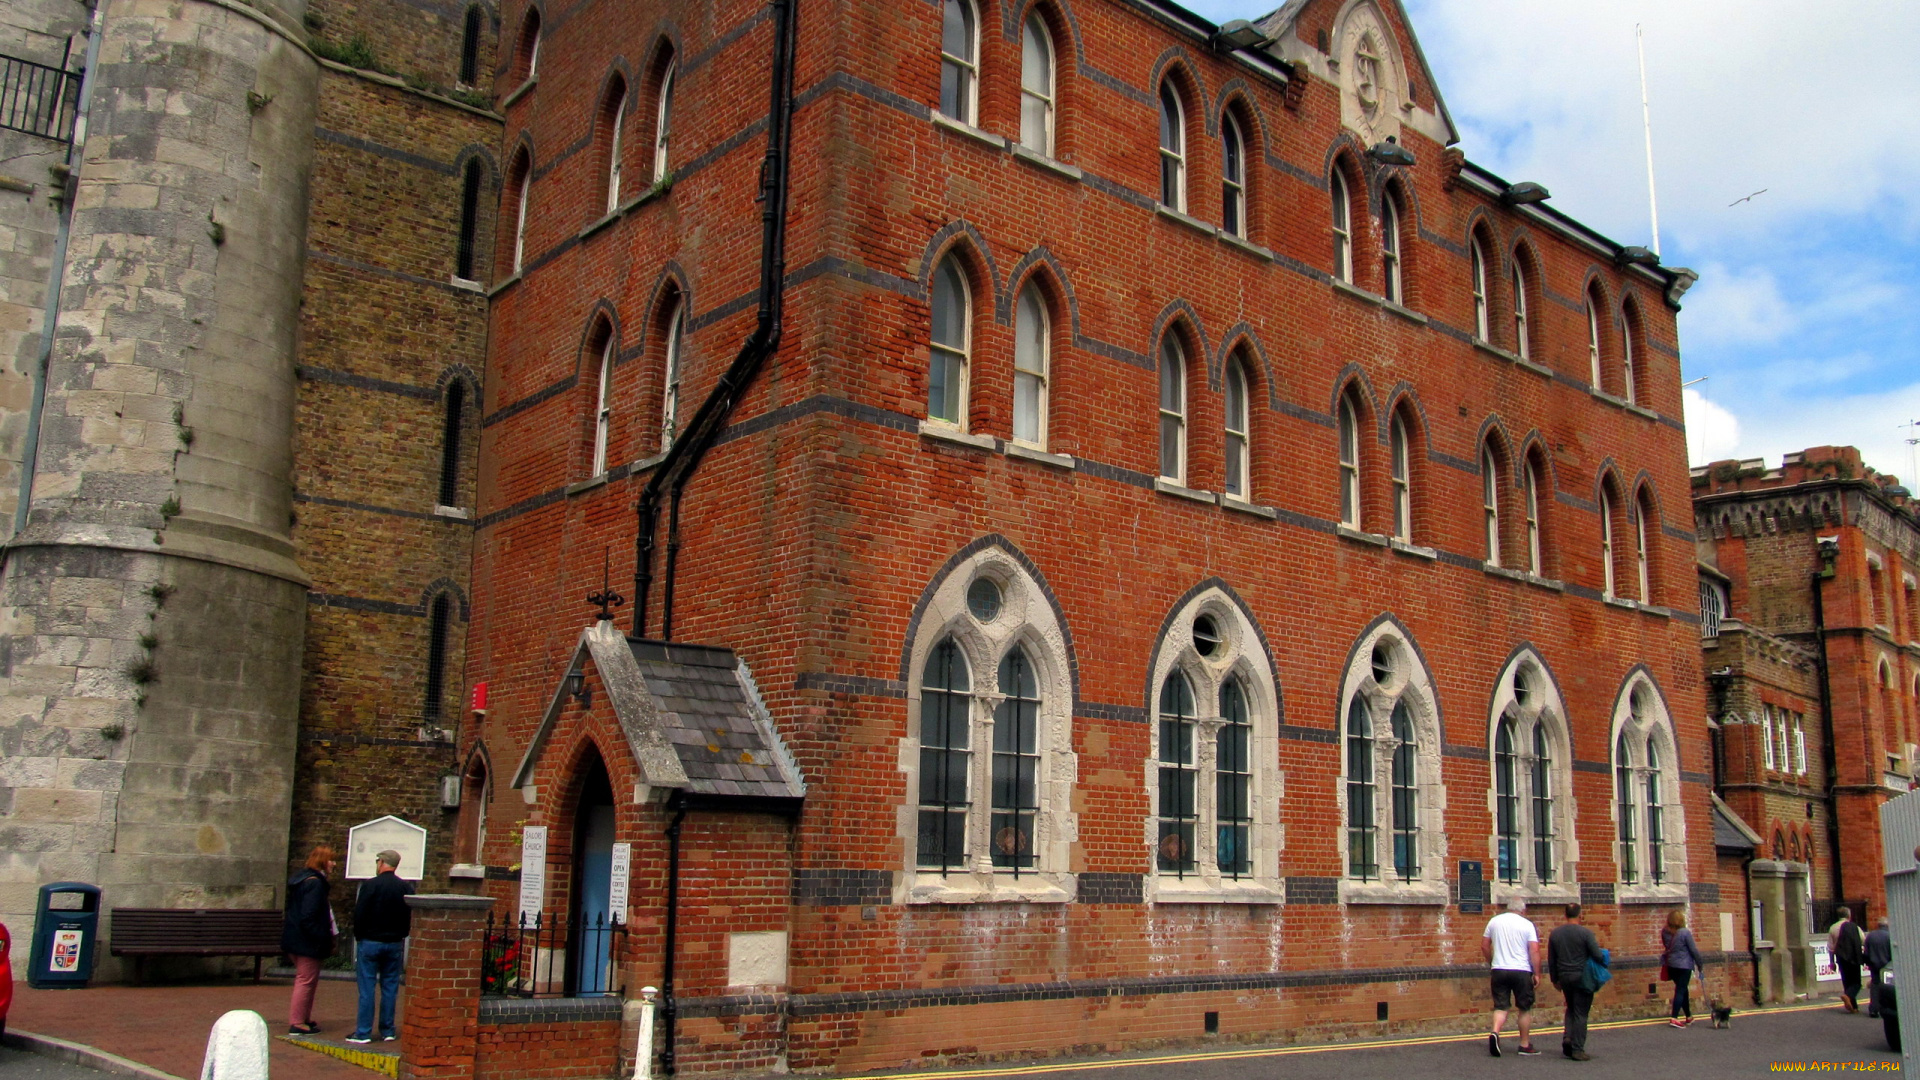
column 442, row 1006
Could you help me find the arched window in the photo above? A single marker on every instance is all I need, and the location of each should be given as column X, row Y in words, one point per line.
column 1646, row 782
column 1606, row 540
column 1506, row 800
column 613, row 118
column 1529, row 730
column 1036, row 86
column 520, row 185
column 1478, row 257
column 470, row 47
column 1016, row 763
column 1031, row 345
column 463, row 260
column 1656, row 833
column 1173, row 149
column 1237, row 455
column 1629, row 369
column 946, row 748
column 663, row 122
column 1593, row 335
column 1392, row 772
column 1342, row 226
column 1534, row 564
column 1522, row 343
column 1543, row 820
column 1490, row 502
column 526, row 60
column 1390, row 275
column 1644, row 522
column 455, row 422
column 952, row 343
column 1629, row 846
column 959, row 60
column 1348, row 430
column 1233, row 177
column 1173, row 409
column 1400, row 450
column 1212, row 773
column 676, row 325
column 439, row 623
column 603, row 401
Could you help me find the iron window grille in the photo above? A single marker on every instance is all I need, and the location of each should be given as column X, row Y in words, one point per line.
column 37, row 99
column 1362, row 859
column 1406, row 796
column 945, row 753
column 1016, row 764
column 1506, row 804
column 1233, row 784
column 1542, row 805
column 1177, row 777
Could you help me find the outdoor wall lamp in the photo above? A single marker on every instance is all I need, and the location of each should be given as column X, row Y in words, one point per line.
column 578, row 690
column 1525, row 192
column 1391, row 153
column 1239, row 34
column 1636, row 256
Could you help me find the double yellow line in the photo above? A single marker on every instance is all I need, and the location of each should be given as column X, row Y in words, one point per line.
column 1271, row 1052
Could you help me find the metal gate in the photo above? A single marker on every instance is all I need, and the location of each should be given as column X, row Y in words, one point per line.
column 1900, row 837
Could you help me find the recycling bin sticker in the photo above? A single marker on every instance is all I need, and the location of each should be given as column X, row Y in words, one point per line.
column 66, row 950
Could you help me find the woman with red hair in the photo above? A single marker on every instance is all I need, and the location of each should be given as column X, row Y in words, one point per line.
column 308, row 935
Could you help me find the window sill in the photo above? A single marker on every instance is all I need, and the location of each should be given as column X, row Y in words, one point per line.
column 1406, row 313
column 646, row 463
column 942, row 120
column 1414, row 550
column 1619, row 602
column 504, row 285
column 654, row 191
column 1643, row 411
column 594, row 227
column 1431, row 893
column 1034, row 453
column 1606, row 397
column 1341, row 285
column 1538, row 369
column 1501, row 571
column 1655, row 610
column 468, row 871
column 1170, row 890
column 520, row 91
column 1667, row 892
column 1246, row 245
column 1348, row 532
column 1188, row 220
column 1539, row 582
column 1533, row 894
column 455, row 512
column 1167, row 487
column 468, row 284
column 975, row 888
column 586, row 485
column 1040, row 160
column 1242, row 506
column 933, row 429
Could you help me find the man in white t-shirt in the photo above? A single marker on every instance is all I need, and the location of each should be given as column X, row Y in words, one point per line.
column 1512, row 946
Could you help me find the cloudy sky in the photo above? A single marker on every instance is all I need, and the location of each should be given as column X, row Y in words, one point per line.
column 1806, row 320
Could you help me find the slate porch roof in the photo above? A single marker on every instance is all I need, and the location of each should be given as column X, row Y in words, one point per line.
column 692, row 717
column 1730, row 834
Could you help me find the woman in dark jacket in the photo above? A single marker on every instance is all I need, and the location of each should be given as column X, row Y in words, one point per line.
column 1682, row 959
column 308, row 935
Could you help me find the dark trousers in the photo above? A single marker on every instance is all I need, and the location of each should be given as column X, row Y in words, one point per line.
column 1579, row 1004
column 1850, row 980
column 1682, row 997
column 1873, row 991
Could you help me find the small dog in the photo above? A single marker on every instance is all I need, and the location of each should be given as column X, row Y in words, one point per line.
column 1722, row 1013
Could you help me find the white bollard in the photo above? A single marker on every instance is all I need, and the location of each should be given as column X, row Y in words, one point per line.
column 236, row 1048
column 643, row 1054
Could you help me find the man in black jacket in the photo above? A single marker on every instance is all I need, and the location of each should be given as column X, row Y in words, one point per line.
column 1879, row 953
column 381, row 922
column 1569, row 948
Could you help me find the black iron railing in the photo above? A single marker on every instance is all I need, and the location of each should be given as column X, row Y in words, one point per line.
column 38, row 99
column 542, row 956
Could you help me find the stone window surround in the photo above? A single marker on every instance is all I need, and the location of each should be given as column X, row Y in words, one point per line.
column 1656, row 722
column 1239, row 655
column 1549, row 708
column 1413, row 683
column 1025, row 619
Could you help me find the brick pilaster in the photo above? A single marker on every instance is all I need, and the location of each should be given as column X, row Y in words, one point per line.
column 441, row 1018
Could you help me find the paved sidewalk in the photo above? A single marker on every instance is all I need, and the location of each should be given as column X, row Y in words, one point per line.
column 166, row 1026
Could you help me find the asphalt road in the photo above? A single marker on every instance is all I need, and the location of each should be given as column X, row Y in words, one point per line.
column 21, row 1065
column 1637, row 1052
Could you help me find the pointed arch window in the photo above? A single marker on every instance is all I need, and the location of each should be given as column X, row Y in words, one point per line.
column 1656, row 818
column 1629, row 370
column 1177, row 777
column 1646, row 783
column 1362, row 858
column 1173, row 409
column 1173, row 149
column 1490, row 502
column 1478, row 257
column 603, row 402
column 1036, row 86
column 1233, row 783
column 1237, row 453
column 1391, row 280
column 1406, row 796
column 527, row 59
column 1506, row 800
column 476, row 796
column 1031, row 344
column 454, row 424
column 1392, row 774
column 523, row 194
column 1543, row 820
column 1399, row 447
column 670, row 373
column 946, row 751
column 1016, row 763
column 959, row 59
column 470, row 47
column 1606, row 541
column 1528, row 724
column 1233, row 177
column 952, row 343
column 663, row 122
column 1348, row 430
column 1534, row 564
column 1593, row 336
column 1629, row 846
column 463, row 256
column 1522, row 346
column 439, row 625
column 1342, row 226
column 614, row 113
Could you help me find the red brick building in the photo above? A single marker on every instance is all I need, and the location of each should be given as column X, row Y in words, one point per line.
column 1194, row 530
column 1811, row 639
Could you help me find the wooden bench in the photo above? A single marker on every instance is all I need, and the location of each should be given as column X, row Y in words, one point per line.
column 144, row 932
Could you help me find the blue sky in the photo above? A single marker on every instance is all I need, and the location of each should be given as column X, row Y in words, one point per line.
column 1806, row 320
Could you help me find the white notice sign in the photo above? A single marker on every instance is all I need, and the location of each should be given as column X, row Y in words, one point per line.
column 533, row 870
column 617, row 892
column 368, row 839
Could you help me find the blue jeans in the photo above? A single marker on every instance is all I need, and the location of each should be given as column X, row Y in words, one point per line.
column 378, row 960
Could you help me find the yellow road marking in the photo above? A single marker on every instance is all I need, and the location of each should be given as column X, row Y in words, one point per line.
column 1282, row 1051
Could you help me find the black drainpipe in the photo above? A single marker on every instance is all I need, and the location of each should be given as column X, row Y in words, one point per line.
column 1753, row 953
column 669, row 1011
column 1827, row 555
column 687, row 451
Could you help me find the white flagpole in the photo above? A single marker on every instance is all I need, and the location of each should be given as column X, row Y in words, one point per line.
column 1646, row 117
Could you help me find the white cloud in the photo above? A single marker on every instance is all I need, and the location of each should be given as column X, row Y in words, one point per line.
column 1713, row 433
column 1872, row 422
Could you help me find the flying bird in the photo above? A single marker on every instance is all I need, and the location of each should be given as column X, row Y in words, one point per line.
column 1749, row 198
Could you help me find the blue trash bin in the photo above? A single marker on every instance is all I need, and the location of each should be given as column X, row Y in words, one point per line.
column 65, row 927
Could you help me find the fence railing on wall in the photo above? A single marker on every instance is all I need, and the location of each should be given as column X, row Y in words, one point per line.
column 37, row 99
column 543, row 956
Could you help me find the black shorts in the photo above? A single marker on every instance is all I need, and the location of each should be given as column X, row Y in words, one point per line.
column 1512, row 989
